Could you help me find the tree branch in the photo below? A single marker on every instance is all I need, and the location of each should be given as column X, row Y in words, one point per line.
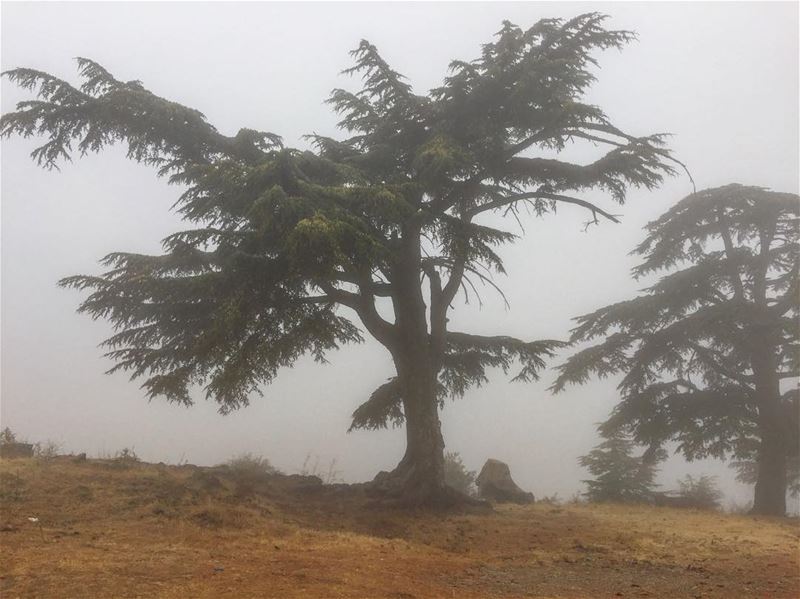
column 507, row 201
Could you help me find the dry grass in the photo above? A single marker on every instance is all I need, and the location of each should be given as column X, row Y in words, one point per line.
column 147, row 531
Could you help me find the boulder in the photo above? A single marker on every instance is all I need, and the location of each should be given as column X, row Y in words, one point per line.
column 495, row 484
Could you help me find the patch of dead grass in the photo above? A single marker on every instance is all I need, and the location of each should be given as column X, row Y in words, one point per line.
column 175, row 532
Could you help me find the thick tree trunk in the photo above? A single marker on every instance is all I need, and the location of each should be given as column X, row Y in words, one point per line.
column 770, row 491
column 419, row 477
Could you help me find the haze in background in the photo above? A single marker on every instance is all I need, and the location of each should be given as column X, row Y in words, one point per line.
column 722, row 77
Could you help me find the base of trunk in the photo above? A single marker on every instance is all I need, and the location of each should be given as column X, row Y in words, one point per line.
column 770, row 503
column 406, row 488
column 770, row 491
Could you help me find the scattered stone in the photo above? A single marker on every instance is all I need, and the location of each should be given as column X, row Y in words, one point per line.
column 495, row 484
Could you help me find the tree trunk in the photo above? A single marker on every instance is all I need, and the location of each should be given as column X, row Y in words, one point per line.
column 770, row 491
column 419, row 477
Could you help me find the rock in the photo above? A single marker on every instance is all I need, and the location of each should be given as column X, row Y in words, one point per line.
column 495, row 483
column 16, row 450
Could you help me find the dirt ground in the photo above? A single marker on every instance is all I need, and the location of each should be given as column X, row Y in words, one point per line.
column 116, row 529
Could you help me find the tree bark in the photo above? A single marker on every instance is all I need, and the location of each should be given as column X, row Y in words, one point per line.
column 421, row 471
column 419, row 477
column 770, row 491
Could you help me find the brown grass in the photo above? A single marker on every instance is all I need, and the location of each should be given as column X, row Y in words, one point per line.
column 148, row 531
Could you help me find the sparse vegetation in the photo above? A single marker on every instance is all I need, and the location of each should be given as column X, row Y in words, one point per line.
column 156, row 532
column 7, row 436
column 457, row 475
column 619, row 476
column 46, row 450
column 701, row 492
column 553, row 499
column 248, row 464
column 311, row 467
column 12, row 487
column 126, row 456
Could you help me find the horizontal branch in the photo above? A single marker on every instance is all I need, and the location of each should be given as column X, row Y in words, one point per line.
column 533, row 195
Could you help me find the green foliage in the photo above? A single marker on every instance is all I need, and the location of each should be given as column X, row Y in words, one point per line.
column 701, row 492
column 691, row 349
column 456, row 474
column 280, row 239
column 619, row 476
column 249, row 465
column 7, row 436
column 747, row 472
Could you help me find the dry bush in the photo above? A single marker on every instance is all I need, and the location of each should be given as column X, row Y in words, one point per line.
column 12, row 487
column 248, row 464
column 328, row 476
column 247, row 472
column 45, row 451
column 700, row 492
column 125, row 458
column 222, row 517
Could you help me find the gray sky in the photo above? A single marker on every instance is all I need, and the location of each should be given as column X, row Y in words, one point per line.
column 722, row 77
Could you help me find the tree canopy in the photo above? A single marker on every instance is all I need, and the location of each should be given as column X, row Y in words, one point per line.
column 704, row 350
column 619, row 476
column 385, row 220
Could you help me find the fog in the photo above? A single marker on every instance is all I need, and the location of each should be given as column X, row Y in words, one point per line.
column 723, row 78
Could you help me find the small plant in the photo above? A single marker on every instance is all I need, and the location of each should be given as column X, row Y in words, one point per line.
column 12, row 487
column 619, row 475
column 735, row 507
column 247, row 472
column 553, row 499
column 127, row 454
column 7, row 436
column 577, row 498
column 456, row 475
column 328, row 477
column 83, row 493
column 46, row 450
column 701, row 492
column 124, row 458
column 250, row 464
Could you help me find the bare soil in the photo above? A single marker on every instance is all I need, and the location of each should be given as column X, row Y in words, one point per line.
column 117, row 529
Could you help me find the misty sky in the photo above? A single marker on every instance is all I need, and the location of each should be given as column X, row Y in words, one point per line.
column 723, row 78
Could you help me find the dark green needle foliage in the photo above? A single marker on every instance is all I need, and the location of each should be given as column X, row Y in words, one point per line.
column 619, row 476
column 278, row 240
column 457, row 475
column 708, row 353
column 700, row 491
